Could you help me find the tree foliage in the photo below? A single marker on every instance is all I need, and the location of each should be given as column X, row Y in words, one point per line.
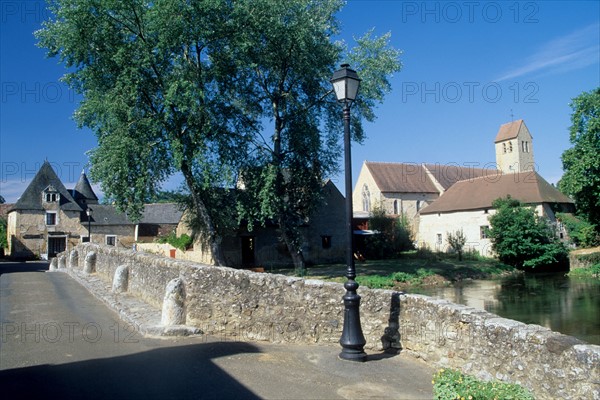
column 457, row 240
column 522, row 239
column 393, row 235
column 581, row 232
column 581, row 162
column 3, row 234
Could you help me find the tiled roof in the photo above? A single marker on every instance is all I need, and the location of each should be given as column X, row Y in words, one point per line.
column 162, row 213
column 31, row 199
column 448, row 175
column 401, row 178
column 509, row 130
column 479, row 193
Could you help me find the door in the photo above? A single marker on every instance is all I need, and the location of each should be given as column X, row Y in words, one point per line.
column 56, row 245
column 248, row 251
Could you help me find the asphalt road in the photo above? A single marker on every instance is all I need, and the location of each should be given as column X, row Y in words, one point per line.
column 58, row 341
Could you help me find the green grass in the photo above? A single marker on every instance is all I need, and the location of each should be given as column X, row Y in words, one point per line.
column 412, row 269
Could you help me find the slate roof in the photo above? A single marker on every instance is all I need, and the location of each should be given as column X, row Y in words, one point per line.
column 509, row 130
column 401, row 178
column 448, row 175
column 83, row 190
column 31, row 199
column 106, row 214
column 161, row 213
column 479, row 193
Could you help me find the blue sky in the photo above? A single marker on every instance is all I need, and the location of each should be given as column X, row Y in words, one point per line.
column 468, row 67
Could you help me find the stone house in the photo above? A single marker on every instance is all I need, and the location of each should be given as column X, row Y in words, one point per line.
column 467, row 204
column 405, row 188
column 324, row 237
column 48, row 218
column 438, row 199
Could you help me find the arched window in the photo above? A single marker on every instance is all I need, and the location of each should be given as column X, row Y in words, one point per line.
column 504, row 148
column 366, row 198
column 396, row 207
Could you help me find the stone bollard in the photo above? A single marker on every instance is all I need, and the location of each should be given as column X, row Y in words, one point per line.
column 173, row 310
column 90, row 263
column 62, row 262
column 73, row 259
column 53, row 264
column 120, row 280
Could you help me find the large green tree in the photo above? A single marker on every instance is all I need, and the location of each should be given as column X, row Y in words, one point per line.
column 287, row 57
column 523, row 239
column 156, row 85
column 581, row 162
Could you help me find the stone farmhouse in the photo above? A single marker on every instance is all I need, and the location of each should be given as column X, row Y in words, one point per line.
column 439, row 199
column 48, row 219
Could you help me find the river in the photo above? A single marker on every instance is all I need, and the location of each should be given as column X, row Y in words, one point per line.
column 563, row 304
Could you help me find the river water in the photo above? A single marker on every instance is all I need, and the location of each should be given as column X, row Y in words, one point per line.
column 563, row 304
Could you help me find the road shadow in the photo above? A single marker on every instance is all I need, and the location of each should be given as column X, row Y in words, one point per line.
column 9, row 267
column 180, row 372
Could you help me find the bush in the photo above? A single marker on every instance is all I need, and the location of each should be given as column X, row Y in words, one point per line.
column 182, row 242
column 581, row 232
column 457, row 241
column 450, row 384
column 524, row 240
column 393, row 236
column 3, row 237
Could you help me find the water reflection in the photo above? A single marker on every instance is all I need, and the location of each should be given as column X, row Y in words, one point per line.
column 567, row 305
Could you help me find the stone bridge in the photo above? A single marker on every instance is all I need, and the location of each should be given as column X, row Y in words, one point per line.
column 244, row 305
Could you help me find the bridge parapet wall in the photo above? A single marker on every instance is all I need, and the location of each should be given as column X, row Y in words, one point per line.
column 243, row 305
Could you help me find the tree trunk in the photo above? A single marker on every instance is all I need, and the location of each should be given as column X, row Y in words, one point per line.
column 295, row 251
column 209, row 234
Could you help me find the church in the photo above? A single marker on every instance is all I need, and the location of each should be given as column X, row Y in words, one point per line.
column 441, row 199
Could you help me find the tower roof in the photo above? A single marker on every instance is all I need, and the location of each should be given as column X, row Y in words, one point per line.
column 31, row 199
column 509, row 130
column 83, row 190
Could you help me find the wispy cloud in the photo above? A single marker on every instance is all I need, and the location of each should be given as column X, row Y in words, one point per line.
column 573, row 51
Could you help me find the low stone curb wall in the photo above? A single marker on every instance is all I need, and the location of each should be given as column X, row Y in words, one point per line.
column 242, row 305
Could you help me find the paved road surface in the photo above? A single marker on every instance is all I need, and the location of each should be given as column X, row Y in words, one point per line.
column 58, row 341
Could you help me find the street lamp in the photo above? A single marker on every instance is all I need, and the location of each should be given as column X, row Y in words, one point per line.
column 88, row 212
column 345, row 85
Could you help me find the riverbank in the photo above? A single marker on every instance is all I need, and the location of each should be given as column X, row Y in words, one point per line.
column 413, row 269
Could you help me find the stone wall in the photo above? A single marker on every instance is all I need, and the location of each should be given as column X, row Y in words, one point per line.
column 243, row 305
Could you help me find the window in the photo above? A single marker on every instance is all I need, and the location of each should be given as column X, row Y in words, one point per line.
column 504, row 148
column 366, row 198
column 510, row 147
column 50, row 218
column 439, row 239
column 483, row 231
column 418, row 205
column 326, row 242
column 526, row 147
column 111, row 240
column 396, row 207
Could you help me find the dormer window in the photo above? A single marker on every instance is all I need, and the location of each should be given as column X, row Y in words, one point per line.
column 51, row 195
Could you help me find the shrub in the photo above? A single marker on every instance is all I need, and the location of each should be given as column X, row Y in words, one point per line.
column 182, row 242
column 3, row 237
column 457, row 241
column 522, row 239
column 393, row 236
column 450, row 384
column 581, row 232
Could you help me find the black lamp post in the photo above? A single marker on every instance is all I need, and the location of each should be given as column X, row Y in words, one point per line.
column 88, row 212
column 345, row 85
